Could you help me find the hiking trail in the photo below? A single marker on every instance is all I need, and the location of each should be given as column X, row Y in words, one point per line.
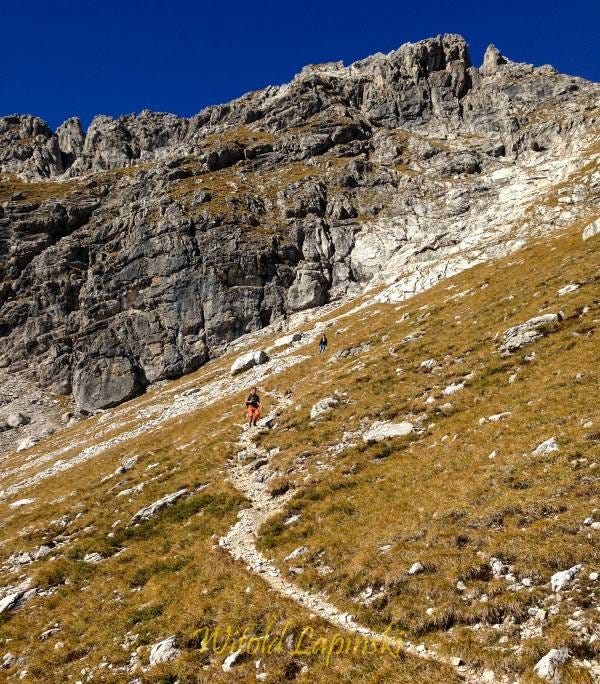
column 249, row 473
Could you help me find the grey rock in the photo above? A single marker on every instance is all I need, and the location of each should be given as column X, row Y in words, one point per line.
column 296, row 553
column 546, row 447
column 15, row 420
column 453, row 388
column 521, row 335
column 11, row 601
column 230, row 661
column 20, row 503
column 70, row 141
column 446, row 409
column 249, row 360
column 381, row 430
column 46, row 634
column 498, row 568
column 416, row 568
column 150, row 511
column 549, row 667
column 92, row 558
column 8, row 660
column 561, row 580
column 492, row 60
column 288, row 339
column 27, row 443
column 126, row 465
column 322, row 407
column 105, row 382
column 591, row 229
column 569, row 287
column 164, row 651
column 495, row 418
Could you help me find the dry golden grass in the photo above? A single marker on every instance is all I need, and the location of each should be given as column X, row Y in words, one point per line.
column 438, row 497
column 434, row 496
column 34, row 191
column 169, row 577
column 240, row 134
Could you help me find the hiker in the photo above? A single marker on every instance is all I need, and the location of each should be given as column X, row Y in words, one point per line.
column 322, row 344
column 253, row 405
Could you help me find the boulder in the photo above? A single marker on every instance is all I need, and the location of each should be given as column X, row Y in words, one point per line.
column 549, row 667
column 11, row 600
column 47, row 633
column 498, row 568
column 453, row 388
column 288, row 339
column 126, row 465
column 27, row 443
column 149, row 511
column 521, row 335
column 21, row 502
column 8, row 660
column 323, row 406
column 296, row 553
column 14, row 420
column 591, row 229
column 416, row 568
column 164, row 651
column 546, row 447
column 42, row 551
column 446, row 409
column 569, row 287
column 495, row 418
column 381, row 430
column 249, row 360
column 561, row 580
column 230, row 661
column 106, row 382
column 92, row 558
column 308, row 290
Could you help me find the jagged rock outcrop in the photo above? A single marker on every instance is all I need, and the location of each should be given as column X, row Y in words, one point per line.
column 71, row 140
column 492, row 59
column 138, row 251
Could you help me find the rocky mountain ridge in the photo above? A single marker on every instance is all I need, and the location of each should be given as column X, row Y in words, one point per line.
column 140, row 250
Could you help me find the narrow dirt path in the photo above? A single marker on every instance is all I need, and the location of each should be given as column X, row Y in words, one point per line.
column 249, row 472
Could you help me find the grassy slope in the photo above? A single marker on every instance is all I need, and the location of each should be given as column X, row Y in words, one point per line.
column 435, row 497
column 438, row 498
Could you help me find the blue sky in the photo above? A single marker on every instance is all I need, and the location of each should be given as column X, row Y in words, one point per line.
column 60, row 59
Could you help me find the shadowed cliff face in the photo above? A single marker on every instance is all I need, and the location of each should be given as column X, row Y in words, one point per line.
column 139, row 250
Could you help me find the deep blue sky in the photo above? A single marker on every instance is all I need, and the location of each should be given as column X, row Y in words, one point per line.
column 59, row 59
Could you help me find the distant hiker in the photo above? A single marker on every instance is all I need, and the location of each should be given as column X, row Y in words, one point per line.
column 253, row 405
column 322, row 344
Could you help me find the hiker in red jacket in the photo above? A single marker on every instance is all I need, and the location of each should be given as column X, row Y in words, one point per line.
column 253, row 405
